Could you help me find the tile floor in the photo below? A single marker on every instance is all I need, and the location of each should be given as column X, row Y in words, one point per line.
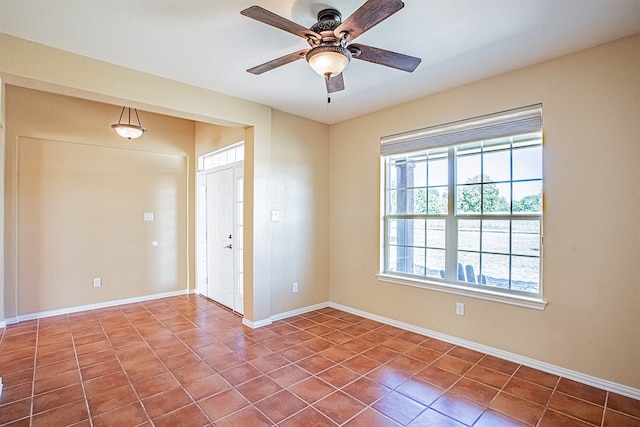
column 185, row 361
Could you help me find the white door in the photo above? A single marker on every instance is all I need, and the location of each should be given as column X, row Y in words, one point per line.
column 220, row 207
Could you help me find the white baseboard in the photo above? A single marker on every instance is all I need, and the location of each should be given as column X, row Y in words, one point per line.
column 622, row 389
column 257, row 324
column 284, row 315
column 298, row 311
column 79, row 308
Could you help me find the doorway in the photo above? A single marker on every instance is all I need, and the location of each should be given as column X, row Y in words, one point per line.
column 220, row 227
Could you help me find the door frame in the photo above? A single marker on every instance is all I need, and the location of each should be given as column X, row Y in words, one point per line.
column 201, row 229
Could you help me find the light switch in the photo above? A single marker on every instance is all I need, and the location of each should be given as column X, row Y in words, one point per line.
column 275, row 216
column 148, row 216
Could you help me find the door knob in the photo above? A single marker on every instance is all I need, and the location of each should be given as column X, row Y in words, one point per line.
column 227, row 247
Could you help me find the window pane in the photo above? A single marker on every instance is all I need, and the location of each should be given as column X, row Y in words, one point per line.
column 399, row 173
column 419, row 178
column 240, row 153
column 435, row 263
column 495, row 236
column 497, row 166
column 239, row 237
column 418, row 265
column 240, row 189
column 468, row 266
column 525, row 238
column 438, row 201
column 438, row 172
column 223, row 158
column 495, row 270
column 469, row 199
column 436, row 237
column 392, row 202
column 525, row 274
column 468, row 169
column 469, row 235
column 495, row 198
column 409, row 201
column 410, row 232
column 392, row 232
column 527, row 163
column 416, row 227
column 403, row 262
column 527, row 197
column 392, row 181
column 240, row 213
column 392, row 257
column 419, row 196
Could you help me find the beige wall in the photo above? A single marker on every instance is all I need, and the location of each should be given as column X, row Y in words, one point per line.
column 31, row 65
column 591, row 113
column 211, row 137
column 300, row 192
column 75, row 197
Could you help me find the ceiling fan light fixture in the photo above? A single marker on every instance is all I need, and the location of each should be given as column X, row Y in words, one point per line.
column 328, row 60
column 129, row 130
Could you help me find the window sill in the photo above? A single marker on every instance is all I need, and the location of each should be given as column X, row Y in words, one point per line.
column 449, row 288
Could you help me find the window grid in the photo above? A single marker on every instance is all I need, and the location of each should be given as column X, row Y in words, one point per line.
column 487, row 216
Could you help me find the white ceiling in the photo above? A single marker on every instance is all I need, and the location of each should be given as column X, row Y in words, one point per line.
column 207, row 43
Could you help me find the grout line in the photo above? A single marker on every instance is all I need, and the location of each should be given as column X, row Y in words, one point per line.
column 75, row 352
column 604, row 409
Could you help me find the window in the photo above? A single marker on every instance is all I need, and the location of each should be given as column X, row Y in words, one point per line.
column 463, row 205
column 232, row 154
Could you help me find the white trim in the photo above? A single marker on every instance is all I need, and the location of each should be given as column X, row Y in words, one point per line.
column 477, row 293
column 622, row 389
column 298, row 311
column 283, row 315
column 3, row 324
column 106, row 304
column 257, row 324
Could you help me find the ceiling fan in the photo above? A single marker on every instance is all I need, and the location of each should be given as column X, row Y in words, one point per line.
column 330, row 40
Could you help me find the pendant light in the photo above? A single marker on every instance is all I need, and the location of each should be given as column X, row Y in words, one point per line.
column 129, row 130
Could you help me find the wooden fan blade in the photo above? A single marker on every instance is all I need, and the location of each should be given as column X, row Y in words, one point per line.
column 335, row 83
column 283, row 60
column 263, row 15
column 384, row 57
column 367, row 16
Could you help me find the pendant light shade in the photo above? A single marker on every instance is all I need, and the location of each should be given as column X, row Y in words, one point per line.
column 328, row 60
column 129, row 130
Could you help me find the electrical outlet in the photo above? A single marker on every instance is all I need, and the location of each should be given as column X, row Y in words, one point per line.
column 97, row 282
column 295, row 287
column 460, row 308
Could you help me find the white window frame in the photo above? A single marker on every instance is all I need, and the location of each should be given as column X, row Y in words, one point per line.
column 504, row 124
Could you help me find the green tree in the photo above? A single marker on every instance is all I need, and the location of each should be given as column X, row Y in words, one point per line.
column 432, row 199
column 531, row 203
column 470, row 198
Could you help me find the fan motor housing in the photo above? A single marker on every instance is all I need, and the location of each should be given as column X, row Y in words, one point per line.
column 328, row 20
